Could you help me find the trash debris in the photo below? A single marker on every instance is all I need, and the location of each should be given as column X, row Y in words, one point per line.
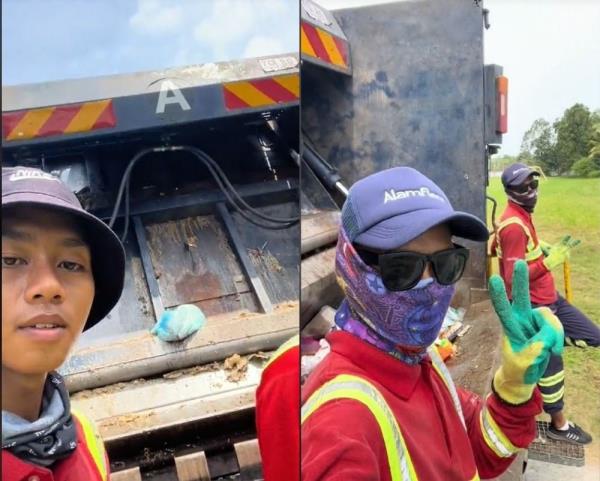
column 179, row 323
column 236, row 366
column 453, row 316
column 445, row 348
column 308, row 362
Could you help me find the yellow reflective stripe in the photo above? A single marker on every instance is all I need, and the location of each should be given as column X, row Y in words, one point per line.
column 514, row 220
column 94, row 443
column 346, row 386
column 494, row 437
column 86, row 116
column 552, row 398
column 552, row 380
column 534, row 254
column 576, row 342
column 442, row 370
column 532, row 251
column 544, row 244
column 440, row 367
column 286, row 346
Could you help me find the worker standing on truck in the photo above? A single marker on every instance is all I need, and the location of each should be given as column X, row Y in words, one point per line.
column 382, row 405
column 517, row 239
column 62, row 272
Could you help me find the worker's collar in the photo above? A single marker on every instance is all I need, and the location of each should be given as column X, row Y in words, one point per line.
column 519, row 209
column 378, row 366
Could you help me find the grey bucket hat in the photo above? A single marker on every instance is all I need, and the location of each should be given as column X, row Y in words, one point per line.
column 26, row 186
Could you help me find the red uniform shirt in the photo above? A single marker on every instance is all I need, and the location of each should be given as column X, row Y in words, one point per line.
column 513, row 244
column 278, row 417
column 79, row 466
column 342, row 441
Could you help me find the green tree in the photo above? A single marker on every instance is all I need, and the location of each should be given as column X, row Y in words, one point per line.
column 573, row 134
column 501, row 162
column 594, row 145
column 539, row 146
column 527, row 144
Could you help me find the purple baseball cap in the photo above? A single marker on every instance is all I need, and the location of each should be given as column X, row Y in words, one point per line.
column 390, row 208
column 25, row 186
column 516, row 174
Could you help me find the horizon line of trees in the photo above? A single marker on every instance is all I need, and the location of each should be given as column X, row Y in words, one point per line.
column 568, row 146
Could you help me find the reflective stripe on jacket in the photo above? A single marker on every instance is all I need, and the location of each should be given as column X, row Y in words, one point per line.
column 94, row 444
column 285, row 347
column 533, row 250
column 345, row 386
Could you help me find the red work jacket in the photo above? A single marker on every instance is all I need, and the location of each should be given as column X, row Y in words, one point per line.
column 513, row 244
column 278, row 413
column 87, row 463
column 341, row 440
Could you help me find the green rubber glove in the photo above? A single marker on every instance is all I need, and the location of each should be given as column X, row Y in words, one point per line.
column 559, row 253
column 530, row 335
column 545, row 246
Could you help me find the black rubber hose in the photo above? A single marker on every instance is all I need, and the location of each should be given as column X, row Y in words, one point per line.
column 203, row 155
column 219, row 177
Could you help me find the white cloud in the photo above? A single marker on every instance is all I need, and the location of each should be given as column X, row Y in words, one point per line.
column 338, row 4
column 261, row 45
column 548, row 51
column 231, row 22
column 156, row 17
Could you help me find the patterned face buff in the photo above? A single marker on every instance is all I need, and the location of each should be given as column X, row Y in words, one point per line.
column 53, row 442
column 410, row 319
column 527, row 200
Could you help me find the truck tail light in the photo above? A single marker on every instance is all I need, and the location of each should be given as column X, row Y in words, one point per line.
column 502, row 104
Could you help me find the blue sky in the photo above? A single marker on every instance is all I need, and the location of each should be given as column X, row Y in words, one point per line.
column 45, row 40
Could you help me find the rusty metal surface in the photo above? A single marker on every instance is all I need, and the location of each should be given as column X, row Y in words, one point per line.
column 133, row 311
column 275, row 254
column 407, row 103
column 193, row 261
column 143, row 405
column 243, row 258
column 112, row 360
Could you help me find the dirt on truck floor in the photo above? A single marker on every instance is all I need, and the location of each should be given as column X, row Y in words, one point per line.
column 478, row 351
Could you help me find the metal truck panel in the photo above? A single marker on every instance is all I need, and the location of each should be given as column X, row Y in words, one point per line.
column 133, row 407
column 140, row 354
column 107, row 105
column 407, row 103
column 322, row 41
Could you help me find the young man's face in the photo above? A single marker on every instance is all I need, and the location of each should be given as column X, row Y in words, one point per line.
column 47, row 288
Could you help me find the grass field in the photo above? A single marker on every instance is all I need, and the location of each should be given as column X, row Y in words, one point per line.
column 572, row 206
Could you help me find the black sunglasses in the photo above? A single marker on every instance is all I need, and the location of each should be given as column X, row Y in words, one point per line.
column 523, row 188
column 401, row 271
